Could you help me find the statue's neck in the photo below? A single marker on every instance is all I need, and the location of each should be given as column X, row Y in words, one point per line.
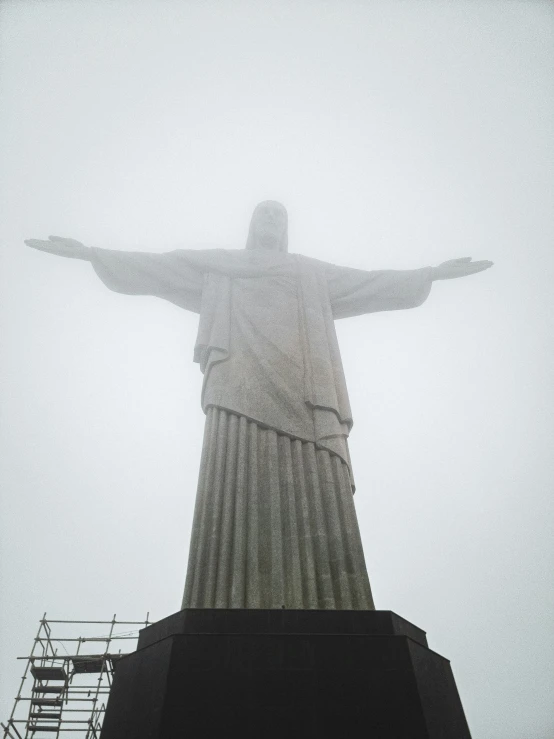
column 267, row 242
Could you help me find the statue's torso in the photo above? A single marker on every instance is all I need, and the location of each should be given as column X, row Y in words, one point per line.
column 263, row 376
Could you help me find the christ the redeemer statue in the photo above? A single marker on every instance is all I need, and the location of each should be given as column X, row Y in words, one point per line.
column 274, row 524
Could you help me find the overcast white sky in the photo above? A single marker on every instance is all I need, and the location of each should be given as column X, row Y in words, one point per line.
column 398, row 135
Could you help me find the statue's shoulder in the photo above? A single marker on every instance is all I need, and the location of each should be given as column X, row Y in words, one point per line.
column 214, row 258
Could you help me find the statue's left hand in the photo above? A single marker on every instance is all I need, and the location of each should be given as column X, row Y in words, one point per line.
column 459, row 268
column 62, row 247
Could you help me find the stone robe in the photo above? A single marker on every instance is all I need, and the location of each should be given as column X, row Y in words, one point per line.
column 268, row 349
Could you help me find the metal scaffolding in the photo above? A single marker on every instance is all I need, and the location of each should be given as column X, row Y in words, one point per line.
column 67, row 678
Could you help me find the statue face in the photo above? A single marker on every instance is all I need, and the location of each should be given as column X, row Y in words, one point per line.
column 269, row 224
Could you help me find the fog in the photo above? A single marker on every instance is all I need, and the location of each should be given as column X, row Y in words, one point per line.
column 398, row 135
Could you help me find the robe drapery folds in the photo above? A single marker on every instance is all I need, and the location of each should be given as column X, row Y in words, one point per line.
column 274, row 525
column 268, row 349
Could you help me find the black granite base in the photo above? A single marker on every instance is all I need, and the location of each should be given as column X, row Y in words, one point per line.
column 266, row 673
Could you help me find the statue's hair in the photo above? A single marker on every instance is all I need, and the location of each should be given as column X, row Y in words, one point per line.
column 251, row 240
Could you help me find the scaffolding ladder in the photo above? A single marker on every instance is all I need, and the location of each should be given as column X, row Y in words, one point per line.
column 67, row 679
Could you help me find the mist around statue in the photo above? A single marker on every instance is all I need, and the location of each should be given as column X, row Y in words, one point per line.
column 400, row 140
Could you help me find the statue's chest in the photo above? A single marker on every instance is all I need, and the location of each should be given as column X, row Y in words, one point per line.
column 268, row 297
column 265, row 312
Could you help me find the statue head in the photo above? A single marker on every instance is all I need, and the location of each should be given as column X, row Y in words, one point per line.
column 268, row 227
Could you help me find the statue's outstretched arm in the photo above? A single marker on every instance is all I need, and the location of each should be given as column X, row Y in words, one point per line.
column 354, row 292
column 168, row 275
column 61, row 246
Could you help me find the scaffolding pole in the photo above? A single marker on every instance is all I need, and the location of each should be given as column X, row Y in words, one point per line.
column 67, row 691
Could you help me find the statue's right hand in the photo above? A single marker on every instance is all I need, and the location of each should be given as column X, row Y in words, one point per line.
column 61, row 246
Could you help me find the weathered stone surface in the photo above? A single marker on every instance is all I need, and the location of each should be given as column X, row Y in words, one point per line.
column 274, row 525
column 266, row 339
column 269, row 352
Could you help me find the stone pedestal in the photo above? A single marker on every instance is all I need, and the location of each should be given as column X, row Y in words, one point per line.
column 279, row 673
